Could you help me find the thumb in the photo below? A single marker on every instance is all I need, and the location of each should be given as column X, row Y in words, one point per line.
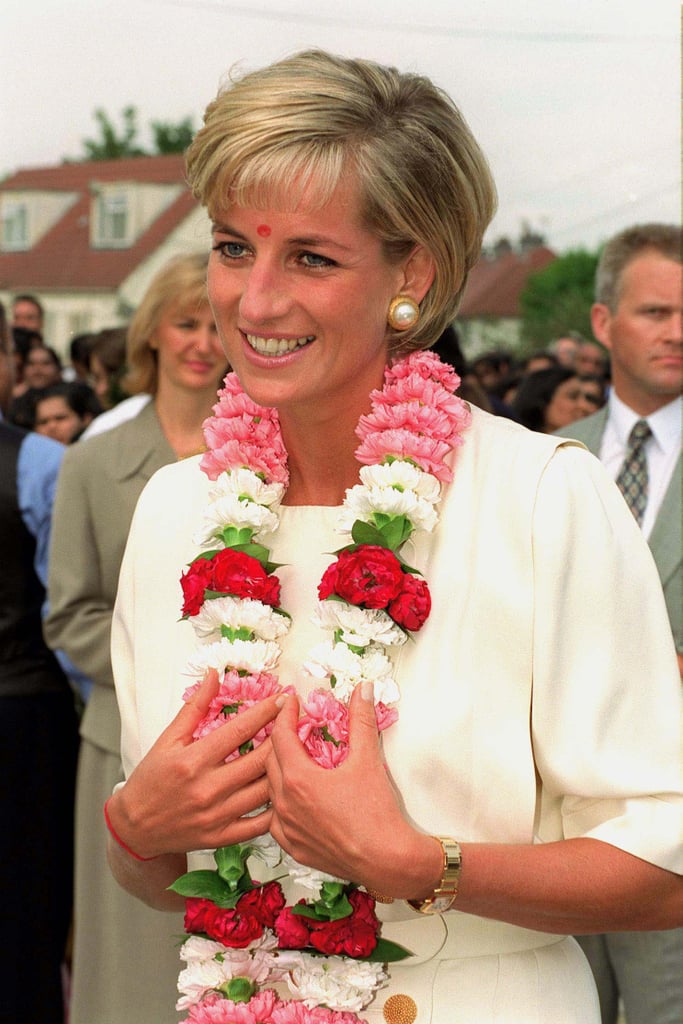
column 192, row 711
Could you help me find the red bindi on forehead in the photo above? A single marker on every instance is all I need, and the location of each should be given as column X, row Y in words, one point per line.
column 263, row 230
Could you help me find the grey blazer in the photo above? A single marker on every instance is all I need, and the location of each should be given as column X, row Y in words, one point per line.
column 97, row 491
column 665, row 540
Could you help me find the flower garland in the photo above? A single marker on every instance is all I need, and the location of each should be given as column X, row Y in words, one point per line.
column 243, row 935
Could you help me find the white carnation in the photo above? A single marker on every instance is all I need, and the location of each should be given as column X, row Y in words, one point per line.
column 339, row 983
column 402, row 475
column 361, row 502
column 233, row 511
column 196, row 949
column 308, row 878
column 247, row 655
column 349, row 669
column 239, row 613
column 198, row 978
column 244, row 483
column 359, row 626
column 266, row 849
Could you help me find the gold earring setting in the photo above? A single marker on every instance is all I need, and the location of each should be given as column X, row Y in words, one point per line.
column 403, row 313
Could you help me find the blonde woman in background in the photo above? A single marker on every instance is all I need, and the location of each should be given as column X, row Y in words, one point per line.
column 125, row 956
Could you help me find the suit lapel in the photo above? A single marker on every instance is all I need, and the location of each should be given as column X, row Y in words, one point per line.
column 665, row 539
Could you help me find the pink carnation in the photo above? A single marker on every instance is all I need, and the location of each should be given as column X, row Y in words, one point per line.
column 427, row 365
column 235, row 694
column 298, row 1013
column 428, row 454
column 420, row 419
column 216, row 1009
column 236, row 455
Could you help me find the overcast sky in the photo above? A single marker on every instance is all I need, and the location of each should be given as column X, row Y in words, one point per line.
column 575, row 102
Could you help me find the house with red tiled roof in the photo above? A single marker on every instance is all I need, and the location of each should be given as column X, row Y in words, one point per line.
column 490, row 312
column 86, row 238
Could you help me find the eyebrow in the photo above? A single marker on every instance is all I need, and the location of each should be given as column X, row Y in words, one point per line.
column 316, row 241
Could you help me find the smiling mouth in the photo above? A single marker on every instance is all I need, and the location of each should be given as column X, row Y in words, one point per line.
column 277, row 346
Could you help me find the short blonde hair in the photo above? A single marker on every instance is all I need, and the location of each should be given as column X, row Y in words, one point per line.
column 313, row 118
column 180, row 284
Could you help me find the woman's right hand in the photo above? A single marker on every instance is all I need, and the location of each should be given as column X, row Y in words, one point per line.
column 183, row 796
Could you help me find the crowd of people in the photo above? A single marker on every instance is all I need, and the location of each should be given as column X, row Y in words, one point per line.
column 567, row 828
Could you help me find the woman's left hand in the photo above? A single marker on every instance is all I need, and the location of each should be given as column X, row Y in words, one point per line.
column 347, row 821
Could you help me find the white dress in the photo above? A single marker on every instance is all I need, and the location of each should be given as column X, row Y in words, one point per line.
column 539, row 702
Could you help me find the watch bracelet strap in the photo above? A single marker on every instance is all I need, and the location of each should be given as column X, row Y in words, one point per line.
column 445, row 894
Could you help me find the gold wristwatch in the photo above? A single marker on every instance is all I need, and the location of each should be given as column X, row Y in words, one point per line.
column 443, row 897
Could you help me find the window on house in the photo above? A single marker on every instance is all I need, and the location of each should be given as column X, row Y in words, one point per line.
column 113, row 221
column 14, row 226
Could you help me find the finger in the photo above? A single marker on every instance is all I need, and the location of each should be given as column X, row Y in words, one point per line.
column 241, row 770
column 191, row 713
column 287, row 746
column 363, row 732
column 243, row 829
column 238, row 730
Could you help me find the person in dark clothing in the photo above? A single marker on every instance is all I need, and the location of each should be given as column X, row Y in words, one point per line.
column 38, row 745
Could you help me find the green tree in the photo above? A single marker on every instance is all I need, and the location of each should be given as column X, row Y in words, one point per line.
column 172, row 138
column 112, row 144
column 558, row 299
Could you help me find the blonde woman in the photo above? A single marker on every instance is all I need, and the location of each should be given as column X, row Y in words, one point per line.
column 530, row 787
column 174, row 354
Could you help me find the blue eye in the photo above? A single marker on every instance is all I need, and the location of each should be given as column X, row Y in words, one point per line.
column 231, row 250
column 315, row 260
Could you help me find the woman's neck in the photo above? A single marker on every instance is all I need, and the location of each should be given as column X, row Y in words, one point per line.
column 181, row 415
column 321, row 459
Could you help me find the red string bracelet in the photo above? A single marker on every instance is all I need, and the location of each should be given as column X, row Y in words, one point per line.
column 119, row 840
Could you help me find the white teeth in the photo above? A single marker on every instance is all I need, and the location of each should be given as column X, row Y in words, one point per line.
column 276, row 346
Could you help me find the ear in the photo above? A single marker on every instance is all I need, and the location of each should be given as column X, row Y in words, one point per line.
column 418, row 273
column 601, row 322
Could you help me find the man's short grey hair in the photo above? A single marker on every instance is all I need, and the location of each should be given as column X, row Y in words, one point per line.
column 664, row 239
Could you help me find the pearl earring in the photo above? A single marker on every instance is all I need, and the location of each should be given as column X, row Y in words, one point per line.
column 403, row 313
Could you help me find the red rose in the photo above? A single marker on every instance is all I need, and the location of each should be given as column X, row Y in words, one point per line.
column 264, row 903
column 195, row 914
column 350, row 936
column 412, row 606
column 231, row 928
column 292, row 929
column 242, row 575
column 370, row 576
column 194, row 582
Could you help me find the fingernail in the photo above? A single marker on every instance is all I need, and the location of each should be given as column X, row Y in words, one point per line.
column 367, row 690
column 281, row 699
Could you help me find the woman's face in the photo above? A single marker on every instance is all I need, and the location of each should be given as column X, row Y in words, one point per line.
column 99, row 379
column 190, row 356
column 566, row 406
column 40, row 369
column 55, row 418
column 301, row 303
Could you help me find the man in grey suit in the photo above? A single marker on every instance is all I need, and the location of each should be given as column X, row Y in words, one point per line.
column 637, row 436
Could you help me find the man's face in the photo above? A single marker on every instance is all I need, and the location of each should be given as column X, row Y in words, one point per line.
column 643, row 333
column 25, row 314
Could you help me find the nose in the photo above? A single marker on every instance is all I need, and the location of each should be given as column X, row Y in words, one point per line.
column 265, row 297
column 204, row 337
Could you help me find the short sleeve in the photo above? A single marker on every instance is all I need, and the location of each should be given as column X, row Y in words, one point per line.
column 605, row 678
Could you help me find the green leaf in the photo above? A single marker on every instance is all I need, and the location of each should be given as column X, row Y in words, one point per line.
column 231, row 862
column 395, row 529
column 203, row 884
column 387, row 952
column 233, row 537
column 367, row 533
column 240, row 990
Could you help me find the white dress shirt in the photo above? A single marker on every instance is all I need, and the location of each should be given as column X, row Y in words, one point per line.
column 661, row 449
